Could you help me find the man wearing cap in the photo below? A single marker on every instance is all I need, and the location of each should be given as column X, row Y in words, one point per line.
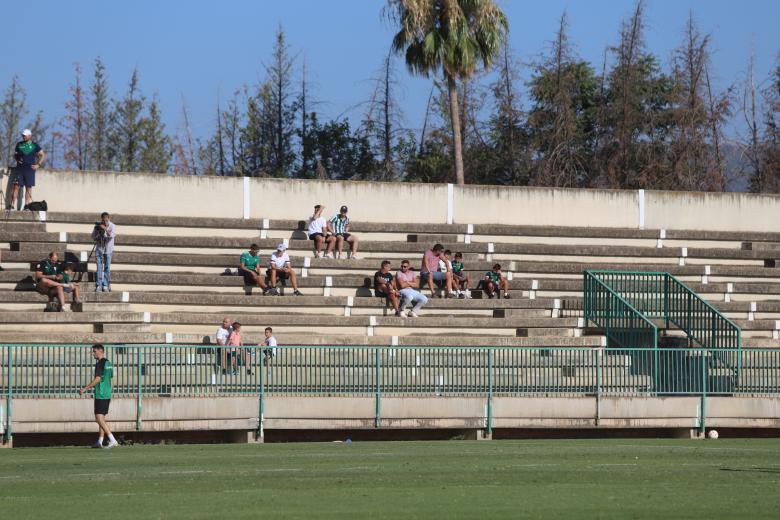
column 249, row 267
column 339, row 226
column 29, row 157
column 279, row 267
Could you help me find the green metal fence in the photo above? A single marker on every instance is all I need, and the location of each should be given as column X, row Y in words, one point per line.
column 140, row 371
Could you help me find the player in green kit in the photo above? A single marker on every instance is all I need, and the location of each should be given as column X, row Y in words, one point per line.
column 104, row 372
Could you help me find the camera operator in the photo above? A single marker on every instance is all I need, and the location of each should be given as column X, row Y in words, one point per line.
column 103, row 235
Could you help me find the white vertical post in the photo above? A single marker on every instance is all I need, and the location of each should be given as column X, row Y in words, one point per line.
column 450, row 202
column 246, row 198
column 641, row 197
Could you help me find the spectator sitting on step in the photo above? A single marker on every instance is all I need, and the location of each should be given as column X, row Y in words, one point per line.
column 222, row 336
column 495, row 282
column 318, row 232
column 234, row 340
column 250, row 269
column 384, row 286
column 339, row 226
column 269, row 343
column 280, row 268
column 49, row 280
column 68, row 273
column 408, row 282
column 460, row 281
column 430, row 273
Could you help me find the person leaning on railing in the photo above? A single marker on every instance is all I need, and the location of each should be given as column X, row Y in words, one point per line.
column 223, row 334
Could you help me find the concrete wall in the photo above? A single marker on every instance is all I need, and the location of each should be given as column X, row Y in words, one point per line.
column 154, row 194
column 328, row 413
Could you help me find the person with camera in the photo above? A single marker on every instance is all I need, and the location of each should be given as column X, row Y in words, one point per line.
column 103, row 234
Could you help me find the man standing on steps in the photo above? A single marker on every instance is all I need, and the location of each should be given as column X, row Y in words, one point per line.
column 103, row 234
column 29, row 157
column 101, row 382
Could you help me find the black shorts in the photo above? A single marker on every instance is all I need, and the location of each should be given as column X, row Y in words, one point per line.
column 248, row 278
column 345, row 235
column 25, row 178
column 315, row 235
column 380, row 294
column 101, row 406
column 280, row 275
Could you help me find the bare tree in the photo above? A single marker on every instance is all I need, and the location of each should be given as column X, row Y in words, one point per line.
column 12, row 109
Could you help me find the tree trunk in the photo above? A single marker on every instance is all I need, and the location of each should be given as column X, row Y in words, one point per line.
column 457, row 139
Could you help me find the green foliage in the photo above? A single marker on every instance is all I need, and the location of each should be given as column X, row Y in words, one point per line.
column 338, row 152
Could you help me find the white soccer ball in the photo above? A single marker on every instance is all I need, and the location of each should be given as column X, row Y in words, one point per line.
column 713, row 434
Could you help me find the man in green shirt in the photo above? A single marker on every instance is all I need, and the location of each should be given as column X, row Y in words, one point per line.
column 250, row 269
column 104, row 372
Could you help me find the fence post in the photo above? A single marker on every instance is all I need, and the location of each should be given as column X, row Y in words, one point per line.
column 138, row 390
column 378, row 396
column 703, row 398
column 260, row 434
column 666, row 299
column 598, row 386
column 9, row 432
column 490, row 394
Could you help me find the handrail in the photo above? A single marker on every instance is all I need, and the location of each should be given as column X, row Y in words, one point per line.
column 599, row 303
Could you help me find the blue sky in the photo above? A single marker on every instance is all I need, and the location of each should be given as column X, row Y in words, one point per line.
column 205, row 49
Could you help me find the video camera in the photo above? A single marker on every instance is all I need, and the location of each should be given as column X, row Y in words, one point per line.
column 102, row 232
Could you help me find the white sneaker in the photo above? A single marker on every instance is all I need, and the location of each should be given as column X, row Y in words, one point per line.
column 316, row 254
column 468, row 295
column 353, row 256
column 338, row 257
column 112, row 444
column 413, row 314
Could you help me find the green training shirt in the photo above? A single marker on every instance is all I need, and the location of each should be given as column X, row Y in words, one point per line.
column 105, row 370
column 249, row 261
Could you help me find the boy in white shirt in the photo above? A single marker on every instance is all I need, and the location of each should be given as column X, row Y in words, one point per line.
column 317, row 232
column 270, row 342
column 280, row 267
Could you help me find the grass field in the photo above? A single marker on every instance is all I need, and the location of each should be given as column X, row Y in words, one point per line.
column 445, row 479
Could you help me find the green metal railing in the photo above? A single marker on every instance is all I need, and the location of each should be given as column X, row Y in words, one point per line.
column 141, row 371
column 661, row 296
column 624, row 325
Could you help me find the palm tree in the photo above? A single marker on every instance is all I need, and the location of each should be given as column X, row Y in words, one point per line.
column 454, row 36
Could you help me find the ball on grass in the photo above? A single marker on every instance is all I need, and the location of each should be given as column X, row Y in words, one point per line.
column 713, row 434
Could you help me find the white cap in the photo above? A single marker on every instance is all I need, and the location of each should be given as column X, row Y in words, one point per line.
column 26, row 132
column 281, row 247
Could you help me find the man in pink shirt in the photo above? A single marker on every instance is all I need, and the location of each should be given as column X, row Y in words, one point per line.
column 408, row 282
column 430, row 271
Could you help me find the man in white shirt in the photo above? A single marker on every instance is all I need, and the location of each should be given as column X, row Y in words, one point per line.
column 280, row 267
column 222, row 335
column 317, row 231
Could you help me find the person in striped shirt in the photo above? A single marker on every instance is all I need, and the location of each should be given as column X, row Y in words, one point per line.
column 339, row 226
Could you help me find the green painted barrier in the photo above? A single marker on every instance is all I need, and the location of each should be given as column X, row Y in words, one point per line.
column 143, row 371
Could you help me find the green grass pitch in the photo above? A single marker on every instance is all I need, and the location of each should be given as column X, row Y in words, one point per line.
column 727, row 478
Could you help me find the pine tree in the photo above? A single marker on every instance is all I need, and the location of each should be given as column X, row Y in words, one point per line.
column 100, row 118
column 155, row 146
column 76, row 124
column 13, row 108
column 280, row 108
column 126, row 138
column 510, row 162
column 697, row 118
column 563, row 115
